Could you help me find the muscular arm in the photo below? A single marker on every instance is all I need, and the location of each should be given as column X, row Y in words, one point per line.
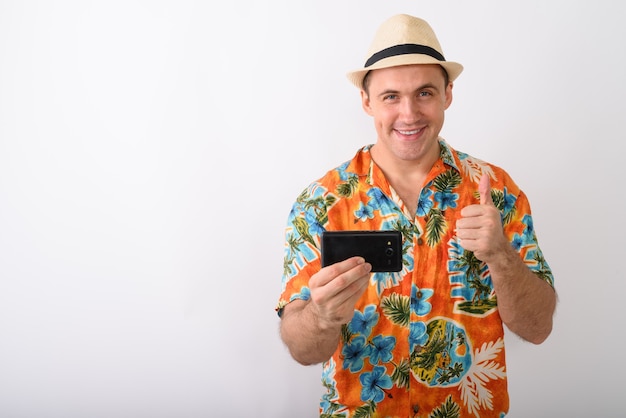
column 311, row 329
column 308, row 341
column 526, row 302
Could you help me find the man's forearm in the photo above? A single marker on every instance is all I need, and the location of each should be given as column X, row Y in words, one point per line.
column 525, row 302
column 307, row 341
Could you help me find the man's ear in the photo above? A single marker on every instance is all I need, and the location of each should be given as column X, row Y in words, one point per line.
column 365, row 102
column 448, row 96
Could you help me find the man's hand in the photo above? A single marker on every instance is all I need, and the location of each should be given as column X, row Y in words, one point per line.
column 312, row 329
column 335, row 290
column 480, row 227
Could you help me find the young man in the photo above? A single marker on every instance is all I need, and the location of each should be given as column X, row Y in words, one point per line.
column 428, row 340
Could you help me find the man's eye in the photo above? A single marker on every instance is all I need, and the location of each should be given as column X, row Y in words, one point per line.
column 390, row 97
column 424, row 94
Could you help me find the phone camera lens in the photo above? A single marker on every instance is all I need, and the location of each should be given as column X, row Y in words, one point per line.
column 389, row 252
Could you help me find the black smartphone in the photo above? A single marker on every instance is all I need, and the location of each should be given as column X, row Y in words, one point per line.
column 382, row 249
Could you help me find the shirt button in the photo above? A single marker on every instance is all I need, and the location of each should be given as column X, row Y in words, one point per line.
column 420, row 241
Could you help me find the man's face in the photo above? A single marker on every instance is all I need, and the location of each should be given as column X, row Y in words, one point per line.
column 408, row 105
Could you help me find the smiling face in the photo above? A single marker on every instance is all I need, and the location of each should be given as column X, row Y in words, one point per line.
column 407, row 104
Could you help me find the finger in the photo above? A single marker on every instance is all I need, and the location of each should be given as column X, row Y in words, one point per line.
column 329, row 273
column 354, row 290
column 340, row 281
column 484, row 189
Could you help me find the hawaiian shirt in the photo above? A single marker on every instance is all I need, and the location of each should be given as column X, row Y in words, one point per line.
column 427, row 341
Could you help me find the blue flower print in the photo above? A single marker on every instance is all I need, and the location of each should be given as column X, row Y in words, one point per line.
column 341, row 170
column 362, row 323
column 354, row 354
column 364, row 212
column 374, row 383
column 315, row 228
column 381, row 349
column 529, row 231
column 446, row 200
column 517, row 242
column 509, row 201
column 419, row 298
column 424, row 203
column 418, row 335
column 377, row 197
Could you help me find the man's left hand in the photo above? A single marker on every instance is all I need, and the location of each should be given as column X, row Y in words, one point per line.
column 480, row 227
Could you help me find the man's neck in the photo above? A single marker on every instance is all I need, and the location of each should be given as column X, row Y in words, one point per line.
column 397, row 169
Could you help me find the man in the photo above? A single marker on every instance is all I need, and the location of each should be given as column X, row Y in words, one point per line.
column 429, row 340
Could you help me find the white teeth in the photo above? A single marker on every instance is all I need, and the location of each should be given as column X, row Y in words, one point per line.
column 410, row 132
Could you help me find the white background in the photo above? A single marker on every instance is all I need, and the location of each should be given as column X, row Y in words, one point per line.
column 150, row 152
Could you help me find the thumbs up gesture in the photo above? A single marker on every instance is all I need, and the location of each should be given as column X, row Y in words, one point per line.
column 480, row 227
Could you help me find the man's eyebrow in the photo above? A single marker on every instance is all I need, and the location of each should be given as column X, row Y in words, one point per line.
column 388, row 91
column 427, row 86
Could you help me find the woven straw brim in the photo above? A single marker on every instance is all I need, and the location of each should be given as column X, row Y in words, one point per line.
column 453, row 68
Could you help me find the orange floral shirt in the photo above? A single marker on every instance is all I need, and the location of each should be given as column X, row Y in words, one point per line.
column 427, row 341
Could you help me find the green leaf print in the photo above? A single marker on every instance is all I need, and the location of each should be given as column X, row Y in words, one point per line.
column 397, row 308
column 365, row 411
column 346, row 189
column 449, row 409
column 435, row 227
column 401, row 373
column 447, row 181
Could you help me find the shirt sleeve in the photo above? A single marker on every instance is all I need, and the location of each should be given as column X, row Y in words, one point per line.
column 302, row 245
column 518, row 227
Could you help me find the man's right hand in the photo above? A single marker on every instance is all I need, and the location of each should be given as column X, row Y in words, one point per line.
column 311, row 329
column 335, row 289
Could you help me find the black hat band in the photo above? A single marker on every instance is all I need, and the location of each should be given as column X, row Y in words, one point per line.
column 403, row 50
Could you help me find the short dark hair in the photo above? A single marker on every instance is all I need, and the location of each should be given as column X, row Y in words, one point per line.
column 365, row 83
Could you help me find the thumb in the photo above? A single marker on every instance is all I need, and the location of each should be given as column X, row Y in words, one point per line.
column 484, row 189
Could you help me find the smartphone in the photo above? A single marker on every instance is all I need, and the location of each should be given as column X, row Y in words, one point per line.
column 382, row 249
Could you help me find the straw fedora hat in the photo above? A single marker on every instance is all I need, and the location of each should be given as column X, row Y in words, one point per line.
column 404, row 40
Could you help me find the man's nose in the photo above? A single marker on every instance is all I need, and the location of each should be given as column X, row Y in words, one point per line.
column 410, row 110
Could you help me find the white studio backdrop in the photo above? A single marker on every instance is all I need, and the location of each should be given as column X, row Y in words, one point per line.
column 150, row 152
